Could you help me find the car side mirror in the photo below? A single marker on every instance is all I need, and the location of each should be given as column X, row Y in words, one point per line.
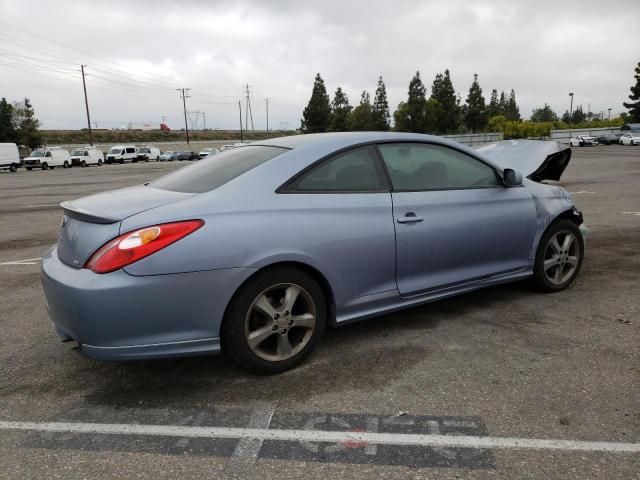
column 512, row 178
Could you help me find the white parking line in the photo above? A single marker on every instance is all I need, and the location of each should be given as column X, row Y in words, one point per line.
column 44, row 205
column 637, row 214
column 324, row 436
column 27, row 261
column 581, row 191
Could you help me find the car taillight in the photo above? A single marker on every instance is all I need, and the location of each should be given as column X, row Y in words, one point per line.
column 133, row 246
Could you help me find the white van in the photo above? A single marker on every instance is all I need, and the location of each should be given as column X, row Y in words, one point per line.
column 148, row 153
column 121, row 154
column 9, row 156
column 48, row 157
column 87, row 156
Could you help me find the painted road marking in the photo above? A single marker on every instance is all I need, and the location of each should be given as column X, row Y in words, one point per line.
column 324, row 436
column 580, row 192
column 27, row 261
column 632, row 213
column 44, row 205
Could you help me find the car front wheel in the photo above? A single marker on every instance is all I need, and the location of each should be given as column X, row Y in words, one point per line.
column 274, row 321
column 559, row 256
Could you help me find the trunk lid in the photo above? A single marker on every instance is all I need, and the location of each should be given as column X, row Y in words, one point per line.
column 535, row 159
column 90, row 222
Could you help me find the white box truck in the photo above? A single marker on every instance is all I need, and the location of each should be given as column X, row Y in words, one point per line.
column 9, row 157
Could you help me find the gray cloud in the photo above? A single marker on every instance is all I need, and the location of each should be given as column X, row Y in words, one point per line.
column 137, row 53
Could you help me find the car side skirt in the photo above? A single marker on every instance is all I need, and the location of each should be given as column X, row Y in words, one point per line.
column 187, row 348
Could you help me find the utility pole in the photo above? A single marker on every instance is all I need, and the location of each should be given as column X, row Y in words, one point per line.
column 248, row 113
column 609, row 113
column 240, row 110
column 86, row 104
column 184, row 92
column 266, row 101
column 571, row 114
column 204, row 121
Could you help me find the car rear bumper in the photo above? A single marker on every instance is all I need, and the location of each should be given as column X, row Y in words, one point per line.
column 117, row 316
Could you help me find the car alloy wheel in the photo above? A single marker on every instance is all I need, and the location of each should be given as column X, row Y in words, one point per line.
column 280, row 322
column 561, row 257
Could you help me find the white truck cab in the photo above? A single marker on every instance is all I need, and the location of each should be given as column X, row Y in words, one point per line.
column 121, row 154
column 9, row 157
column 87, row 156
column 48, row 157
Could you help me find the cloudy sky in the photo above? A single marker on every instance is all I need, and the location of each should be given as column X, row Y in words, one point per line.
column 138, row 52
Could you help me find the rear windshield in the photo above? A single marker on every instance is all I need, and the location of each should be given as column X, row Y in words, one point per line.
column 212, row 172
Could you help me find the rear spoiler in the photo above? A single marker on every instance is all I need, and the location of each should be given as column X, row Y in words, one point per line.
column 535, row 159
column 84, row 215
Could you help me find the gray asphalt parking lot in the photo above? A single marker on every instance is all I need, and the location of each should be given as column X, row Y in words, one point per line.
column 529, row 384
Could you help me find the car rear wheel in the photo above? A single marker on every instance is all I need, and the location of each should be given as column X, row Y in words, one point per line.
column 99, row 163
column 45, row 166
column 13, row 168
column 559, row 256
column 274, row 321
column 65, row 164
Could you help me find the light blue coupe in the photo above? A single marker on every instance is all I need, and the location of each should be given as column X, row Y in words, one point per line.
column 256, row 250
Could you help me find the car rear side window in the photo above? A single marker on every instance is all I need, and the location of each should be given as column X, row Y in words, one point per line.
column 210, row 173
column 356, row 170
column 416, row 166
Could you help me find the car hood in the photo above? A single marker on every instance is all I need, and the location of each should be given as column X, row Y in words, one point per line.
column 116, row 205
column 534, row 159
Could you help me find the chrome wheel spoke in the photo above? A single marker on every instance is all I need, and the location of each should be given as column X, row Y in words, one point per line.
column 557, row 275
column 555, row 245
column 306, row 320
column 263, row 304
column 256, row 337
column 573, row 261
column 290, row 297
column 550, row 262
column 568, row 241
column 284, row 346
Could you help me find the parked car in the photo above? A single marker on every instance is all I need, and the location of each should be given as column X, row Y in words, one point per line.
column 207, row 151
column 374, row 222
column 48, row 157
column 631, row 138
column 121, row 154
column 9, row 157
column 87, row 156
column 188, row 156
column 583, row 141
column 169, row 156
column 148, row 153
column 608, row 138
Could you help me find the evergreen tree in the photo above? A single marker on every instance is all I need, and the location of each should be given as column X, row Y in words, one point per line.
column 566, row 117
column 401, row 120
column 502, row 103
column 579, row 116
column 494, row 107
column 475, row 112
column 432, row 115
column 315, row 118
column 447, row 108
column 381, row 108
column 512, row 111
column 7, row 130
column 416, row 105
column 26, row 124
column 544, row 114
column 634, row 105
column 340, row 111
column 362, row 118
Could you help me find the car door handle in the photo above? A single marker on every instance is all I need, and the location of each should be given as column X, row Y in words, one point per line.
column 410, row 218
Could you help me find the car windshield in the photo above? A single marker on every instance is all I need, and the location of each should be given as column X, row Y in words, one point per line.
column 115, row 150
column 77, row 153
column 38, row 153
column 216, row 171
column 143, row 150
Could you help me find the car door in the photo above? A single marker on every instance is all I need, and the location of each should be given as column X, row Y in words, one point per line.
column 341, row 209
column 455, row 220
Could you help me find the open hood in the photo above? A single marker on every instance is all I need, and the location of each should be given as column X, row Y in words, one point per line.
column 535, row 159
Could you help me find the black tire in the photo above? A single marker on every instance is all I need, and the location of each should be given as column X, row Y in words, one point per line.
column 540, row 278
column 83, row 163
column 234, row 341
column 45, row 166
column 99, row 163
column 65, row 164
column 121, row 161
column 29, row 169
column 13, row 168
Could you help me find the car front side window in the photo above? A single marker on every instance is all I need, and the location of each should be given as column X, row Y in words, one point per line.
column 356, row 170
column 421, row 166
